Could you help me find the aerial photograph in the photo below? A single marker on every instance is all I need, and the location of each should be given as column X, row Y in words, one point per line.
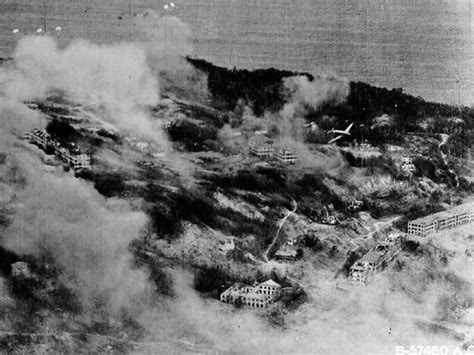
column 237, row 177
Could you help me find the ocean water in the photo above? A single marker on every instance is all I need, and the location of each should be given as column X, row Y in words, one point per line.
column 424, row 46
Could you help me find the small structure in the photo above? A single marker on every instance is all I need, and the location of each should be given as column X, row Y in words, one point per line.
column 158, row 155
column 80, row 162
column 286, row 156
column 365, row 146
column 261, row 132
column 20, row 269
column 407, row 165
column 407, row 159
column 394, row 148
column 263, row 150
column 259, row 295
column 374, row 260
column 355, row 205
column 408, row 168
column 330, row 219
column 454, row 217
column 285, row 254
column 227, row 246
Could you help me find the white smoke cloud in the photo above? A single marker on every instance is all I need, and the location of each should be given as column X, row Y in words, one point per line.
column 116, row 78
column 303, row 94
column 66, row 218
column 167, row 40
column 57, row 214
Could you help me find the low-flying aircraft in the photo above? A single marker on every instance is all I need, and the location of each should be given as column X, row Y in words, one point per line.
column 341, row 133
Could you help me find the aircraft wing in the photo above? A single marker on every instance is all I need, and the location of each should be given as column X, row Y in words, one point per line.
column 335, row 139
column 349, row 128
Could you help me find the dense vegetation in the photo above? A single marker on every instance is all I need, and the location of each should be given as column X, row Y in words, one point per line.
column 42, row 288
column 167, row 210
column 194, row 137
column 62, row 131
column 107, row 184
column 262, row 90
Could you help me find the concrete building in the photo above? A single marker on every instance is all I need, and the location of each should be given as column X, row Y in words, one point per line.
column 408, row 168
column 285, row 254
column 407, row 159
column 454, row 217
column 374, row 260
column 355, row 205
column 39, row 137
column 72, row 157
column 227, row 245
column 258, row 296
column 394, row 148
column 81, row 161
column 286, row 156
column 262, row 150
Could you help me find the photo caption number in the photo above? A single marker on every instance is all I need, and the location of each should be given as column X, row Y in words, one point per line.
column 422, row 350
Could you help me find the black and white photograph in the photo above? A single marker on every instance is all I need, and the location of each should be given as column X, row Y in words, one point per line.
column 237, row 177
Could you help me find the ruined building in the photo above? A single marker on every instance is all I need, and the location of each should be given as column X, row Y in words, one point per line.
column 71, row 157
column 262, row 150
column 407, row 165
column 286, row 156
column 454, row 217
column 374, row 260
column 259, row 295
column 286, row 255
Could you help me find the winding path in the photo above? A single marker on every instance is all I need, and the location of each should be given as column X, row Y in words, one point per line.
column 295, row 206
column 377, row 225
column 444, row 139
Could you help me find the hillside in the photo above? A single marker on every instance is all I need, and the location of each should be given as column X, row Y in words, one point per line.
column 177, row 207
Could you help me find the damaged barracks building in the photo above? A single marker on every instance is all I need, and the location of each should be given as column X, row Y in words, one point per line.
column 375, row 260
column 459, row 215
column 258, row 296
column 71, row 157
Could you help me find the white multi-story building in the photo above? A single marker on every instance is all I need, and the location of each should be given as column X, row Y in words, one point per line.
column 263, row 150
column 407, row 159
column 408, row 168
column 258, row 296
column 76, row 160
column 375, row 259
column 81, row 161
column 454, row 217
column 286, row 156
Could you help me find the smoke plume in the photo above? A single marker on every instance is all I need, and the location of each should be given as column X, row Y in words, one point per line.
column 64, row 217
column 304, row 96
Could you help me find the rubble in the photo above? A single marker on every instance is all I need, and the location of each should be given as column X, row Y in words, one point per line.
column 20, row 269
column 70, row 155
column 375, row 259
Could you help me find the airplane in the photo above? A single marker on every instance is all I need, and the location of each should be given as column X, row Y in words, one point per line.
column 341, row 133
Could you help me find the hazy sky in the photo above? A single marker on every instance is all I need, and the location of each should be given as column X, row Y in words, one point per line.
column 424, row 46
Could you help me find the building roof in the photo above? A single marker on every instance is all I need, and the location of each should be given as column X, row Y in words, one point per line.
column 263, row 146
column 255, row 295
column 466, row 207
column 286, row 153
column 287, row 252
column 372, row 256
column 271, row 283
